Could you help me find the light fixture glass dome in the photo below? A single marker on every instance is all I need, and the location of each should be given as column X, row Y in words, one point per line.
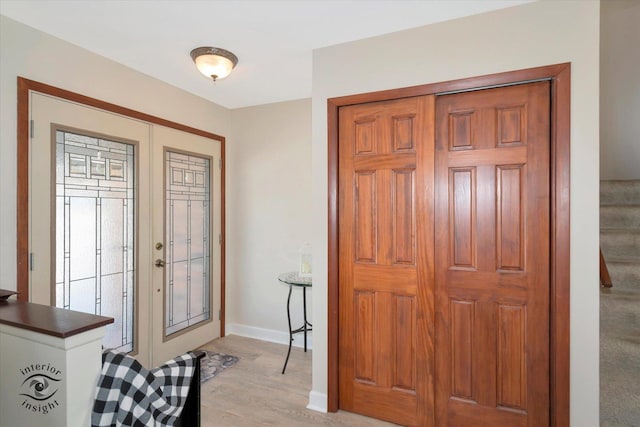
column 214, row 62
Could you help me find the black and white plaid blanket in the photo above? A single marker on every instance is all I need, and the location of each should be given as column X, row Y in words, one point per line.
column 130, row 395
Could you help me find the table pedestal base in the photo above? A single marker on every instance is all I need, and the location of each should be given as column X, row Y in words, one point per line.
column 306, row 327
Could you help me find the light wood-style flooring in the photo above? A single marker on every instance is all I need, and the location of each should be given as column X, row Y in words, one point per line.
column 255, row 393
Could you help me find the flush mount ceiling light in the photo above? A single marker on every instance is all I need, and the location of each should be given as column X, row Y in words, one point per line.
column 214, row 62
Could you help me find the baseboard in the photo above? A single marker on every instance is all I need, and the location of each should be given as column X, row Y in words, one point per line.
column 270, row 335
column 317, row 401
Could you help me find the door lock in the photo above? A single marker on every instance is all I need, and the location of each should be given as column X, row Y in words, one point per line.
column 159, row 245
column 160, row 263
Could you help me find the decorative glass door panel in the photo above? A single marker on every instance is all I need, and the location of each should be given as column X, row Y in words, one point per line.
column 187, row 225
column 186, row 235
column 95, row 229
column 90, row 204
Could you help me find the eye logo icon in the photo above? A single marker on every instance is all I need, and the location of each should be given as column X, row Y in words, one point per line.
column 39, row 387
column 40, row 383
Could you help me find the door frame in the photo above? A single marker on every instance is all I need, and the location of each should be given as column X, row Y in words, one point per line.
column 22, row 215
column 560, row 77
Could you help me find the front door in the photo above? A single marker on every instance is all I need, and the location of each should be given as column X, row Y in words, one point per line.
column 106, row 202
column 186, row 241
column 444, row 258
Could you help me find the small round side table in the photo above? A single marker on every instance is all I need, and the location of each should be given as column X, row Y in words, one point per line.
column 293, row 279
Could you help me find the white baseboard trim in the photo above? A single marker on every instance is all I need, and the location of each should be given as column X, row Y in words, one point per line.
column 270, row 335
column 317, row 401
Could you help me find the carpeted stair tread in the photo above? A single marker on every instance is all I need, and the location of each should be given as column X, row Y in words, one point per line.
column 623, row 260
column 620, row 216
column 604, row 230
column 620, row 244
column 619, row 192
column 625, row 273
column 622, row 205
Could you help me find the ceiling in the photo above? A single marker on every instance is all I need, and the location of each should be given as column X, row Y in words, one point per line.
column 272, row 39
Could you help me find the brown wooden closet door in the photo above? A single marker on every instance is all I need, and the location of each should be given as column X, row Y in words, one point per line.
column 386, row 266
column 492, row 257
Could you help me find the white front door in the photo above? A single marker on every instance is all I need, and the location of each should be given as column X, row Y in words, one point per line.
column 97, row 211
column 186, row 217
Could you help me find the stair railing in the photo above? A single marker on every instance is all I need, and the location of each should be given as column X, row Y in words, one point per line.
column 605, row 278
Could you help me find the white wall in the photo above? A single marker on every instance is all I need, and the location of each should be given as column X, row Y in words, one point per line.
column 270, row 215
column 37, row 56
column 620, row 89
column 535, row 34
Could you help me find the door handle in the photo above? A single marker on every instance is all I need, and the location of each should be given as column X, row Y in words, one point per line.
column 160, row 263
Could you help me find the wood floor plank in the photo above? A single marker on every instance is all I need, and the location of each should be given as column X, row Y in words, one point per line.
column 255, row 393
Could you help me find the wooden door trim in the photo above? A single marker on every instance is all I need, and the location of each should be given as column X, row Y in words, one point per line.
column 22, row 214
column 560, row 76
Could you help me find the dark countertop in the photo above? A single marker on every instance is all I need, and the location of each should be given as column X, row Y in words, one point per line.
column 48, row 320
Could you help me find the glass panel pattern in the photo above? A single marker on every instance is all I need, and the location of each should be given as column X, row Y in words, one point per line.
column 187, row 199
column 95, row 231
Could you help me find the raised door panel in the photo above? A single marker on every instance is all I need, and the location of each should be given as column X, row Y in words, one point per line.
column 404, row 328
column 510, row 185
column 462, row 315
column 512, row 373
column 512, row 125
column 403, row 127
column 365, row 217
column 461, row 130
column 404, row 222
column 365, row 136
column 462, row 217
column 365, row 337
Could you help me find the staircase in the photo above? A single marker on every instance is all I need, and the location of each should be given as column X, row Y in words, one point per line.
column 620, row 305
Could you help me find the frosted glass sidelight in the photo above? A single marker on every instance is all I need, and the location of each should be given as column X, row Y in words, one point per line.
column 95, row 210
column 197, row 229
column 179, row 292
column 83, row 295
column 197, row 295
column 112, row 218
column 111, row 303
column 82, row 243
column 178, row 212
column 187, row 228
